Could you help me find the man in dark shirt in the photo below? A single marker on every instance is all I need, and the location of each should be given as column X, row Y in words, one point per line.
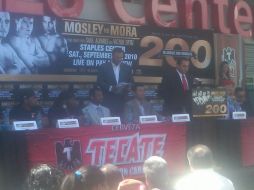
column 27, row 109
column 66, row 106
column 241, row 99
column 176, row 88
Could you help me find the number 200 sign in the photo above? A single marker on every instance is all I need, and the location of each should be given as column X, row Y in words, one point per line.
column 209, row 102
column 147, row 58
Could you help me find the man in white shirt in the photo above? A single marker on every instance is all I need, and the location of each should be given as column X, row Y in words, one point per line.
column 115, row 78
column 95, row 111
column 202, row 175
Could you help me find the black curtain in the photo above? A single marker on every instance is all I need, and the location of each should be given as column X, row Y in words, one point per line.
column 222, row 136
column 13, row 160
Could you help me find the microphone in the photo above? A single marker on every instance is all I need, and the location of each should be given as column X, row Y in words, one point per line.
column 197, row 81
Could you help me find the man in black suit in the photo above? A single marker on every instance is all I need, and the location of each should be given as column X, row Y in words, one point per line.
column 176, row 87
column 115, row 78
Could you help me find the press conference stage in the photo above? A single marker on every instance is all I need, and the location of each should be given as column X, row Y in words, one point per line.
column 128, row 146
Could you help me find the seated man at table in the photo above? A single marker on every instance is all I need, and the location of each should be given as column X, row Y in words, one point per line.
column 232, row 105
column 242, row 102
column 66, row 106
column 27, row 109
column 95, row 111
column 138, row 106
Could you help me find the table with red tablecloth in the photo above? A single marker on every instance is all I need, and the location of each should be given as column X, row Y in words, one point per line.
column 126, row 146
column 247, row 142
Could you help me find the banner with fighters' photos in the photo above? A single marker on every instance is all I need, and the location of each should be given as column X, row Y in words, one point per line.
column 45, row 48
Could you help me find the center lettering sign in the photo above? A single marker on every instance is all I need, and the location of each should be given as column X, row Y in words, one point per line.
column 125, row 146
column 58, row 49
column 224, row 16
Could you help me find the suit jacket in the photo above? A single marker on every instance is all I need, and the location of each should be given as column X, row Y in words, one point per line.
column 91, row 114
column 106, row 78
column 171, row 90
column 132, row 111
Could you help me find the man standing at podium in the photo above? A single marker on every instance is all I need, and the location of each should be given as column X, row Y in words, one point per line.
column 176, row 88
column 115, row 79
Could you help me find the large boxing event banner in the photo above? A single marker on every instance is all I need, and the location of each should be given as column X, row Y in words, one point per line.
column 44, row 45
column 126, row 146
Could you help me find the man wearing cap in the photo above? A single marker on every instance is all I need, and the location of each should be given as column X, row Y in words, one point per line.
column 176, row 88
column 66, row 106
column 27, row 109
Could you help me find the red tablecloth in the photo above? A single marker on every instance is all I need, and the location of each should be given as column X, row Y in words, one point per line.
column 126, row 146
column 247, row 142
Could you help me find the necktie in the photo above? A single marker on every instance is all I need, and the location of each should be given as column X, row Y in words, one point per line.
column 142, row 110
column 184, row 82
column 99, row 112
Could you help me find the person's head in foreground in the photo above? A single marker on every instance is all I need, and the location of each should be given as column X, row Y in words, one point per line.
column 156, row 173
column 200, row 157
column 86, row 178
column 113, row 176
column 44, row 177
column 202, row 175
column 131, row 184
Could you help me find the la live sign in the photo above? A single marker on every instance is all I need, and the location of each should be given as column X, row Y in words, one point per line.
column 221, row 15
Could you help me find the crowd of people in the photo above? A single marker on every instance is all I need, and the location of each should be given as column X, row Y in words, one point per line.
column 156, row 176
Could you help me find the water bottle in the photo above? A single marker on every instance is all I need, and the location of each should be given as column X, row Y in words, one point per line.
column 38, row 120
